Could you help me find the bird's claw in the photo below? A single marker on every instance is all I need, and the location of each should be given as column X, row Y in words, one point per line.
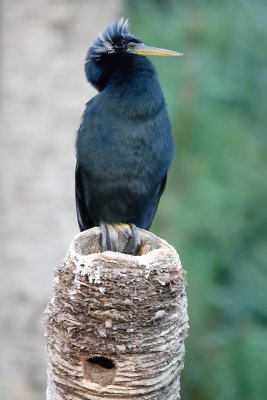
column 122, row 238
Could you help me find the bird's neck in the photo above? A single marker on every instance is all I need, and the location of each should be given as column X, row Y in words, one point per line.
column 118, row 69
column 130, row 78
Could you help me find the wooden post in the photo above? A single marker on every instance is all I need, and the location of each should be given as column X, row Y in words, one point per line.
column 116, row 323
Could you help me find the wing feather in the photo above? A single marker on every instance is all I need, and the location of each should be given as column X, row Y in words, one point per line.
column 156, row 202
column 84, row 220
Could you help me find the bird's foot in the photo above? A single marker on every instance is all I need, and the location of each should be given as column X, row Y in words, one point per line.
column 122, row 238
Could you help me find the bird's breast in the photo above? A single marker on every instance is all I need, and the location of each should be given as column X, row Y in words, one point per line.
column 125, row 132
column 132, row 156
column 136, row 96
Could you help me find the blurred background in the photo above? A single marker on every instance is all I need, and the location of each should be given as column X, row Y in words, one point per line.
column 214, row 210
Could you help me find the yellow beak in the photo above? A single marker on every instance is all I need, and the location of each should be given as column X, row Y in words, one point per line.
column 154, row 51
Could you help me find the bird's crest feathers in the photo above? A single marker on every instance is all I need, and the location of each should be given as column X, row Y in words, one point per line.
column 107, row 39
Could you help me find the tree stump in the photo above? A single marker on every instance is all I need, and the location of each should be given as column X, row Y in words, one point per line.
column 116, row 323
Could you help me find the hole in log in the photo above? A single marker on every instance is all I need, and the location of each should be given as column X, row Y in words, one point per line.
column 101, row 370
column 102, row 362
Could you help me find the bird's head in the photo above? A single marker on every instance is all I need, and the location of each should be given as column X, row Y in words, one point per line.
column 114, row 48
column 116, row 39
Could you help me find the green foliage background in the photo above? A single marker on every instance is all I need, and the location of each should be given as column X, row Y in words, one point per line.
column 214, row 210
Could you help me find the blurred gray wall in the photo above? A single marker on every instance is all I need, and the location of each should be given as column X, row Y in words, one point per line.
column 44, row 90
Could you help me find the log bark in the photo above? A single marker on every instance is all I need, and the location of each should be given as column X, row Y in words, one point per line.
column 116, row 323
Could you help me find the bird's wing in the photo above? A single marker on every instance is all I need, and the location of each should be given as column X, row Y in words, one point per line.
column 156, row 201
column 84, row 220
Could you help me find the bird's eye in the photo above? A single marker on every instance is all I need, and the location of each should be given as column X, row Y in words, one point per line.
column 131, row 45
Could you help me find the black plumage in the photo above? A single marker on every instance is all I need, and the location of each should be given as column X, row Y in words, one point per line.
column 124, row 144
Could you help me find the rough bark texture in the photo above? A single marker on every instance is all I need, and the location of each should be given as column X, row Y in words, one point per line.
column 116, row 323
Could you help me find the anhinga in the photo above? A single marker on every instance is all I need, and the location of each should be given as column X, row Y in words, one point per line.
column 124, row 143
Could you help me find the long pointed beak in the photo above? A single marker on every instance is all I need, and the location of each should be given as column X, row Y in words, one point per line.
column 154, row 51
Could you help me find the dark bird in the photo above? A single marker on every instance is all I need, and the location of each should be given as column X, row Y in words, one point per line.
column 124, row 144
